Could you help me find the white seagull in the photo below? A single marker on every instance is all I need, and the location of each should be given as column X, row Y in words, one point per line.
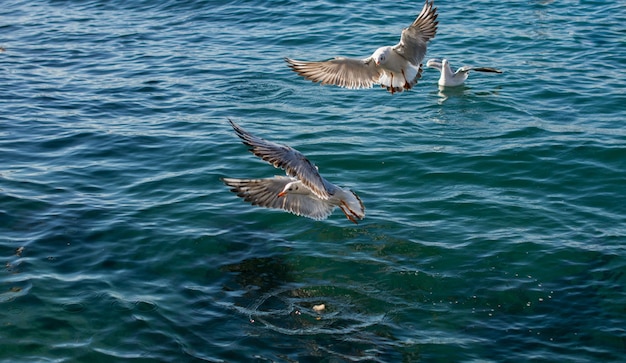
column 303, row 192
column 453, row 79
column 395, row 68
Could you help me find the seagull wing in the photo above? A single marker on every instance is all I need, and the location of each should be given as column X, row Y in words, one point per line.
column 282, row 156
column 478, row 69
column 342, row 72
column 264, row 193
column 414, row 39
column 434, row 63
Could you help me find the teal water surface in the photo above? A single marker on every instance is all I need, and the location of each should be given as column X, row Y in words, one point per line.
column 495, row 226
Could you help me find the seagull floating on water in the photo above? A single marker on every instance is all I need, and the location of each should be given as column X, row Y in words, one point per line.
column 395, row 68
column 450, row 79
column 303, row 192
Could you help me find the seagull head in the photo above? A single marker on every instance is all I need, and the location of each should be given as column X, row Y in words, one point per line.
column 292, row 187
column 381, row 55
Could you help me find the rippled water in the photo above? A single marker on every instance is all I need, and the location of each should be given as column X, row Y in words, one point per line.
column 495, row 226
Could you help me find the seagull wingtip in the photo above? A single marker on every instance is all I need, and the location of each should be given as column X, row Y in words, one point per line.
column 234, row 125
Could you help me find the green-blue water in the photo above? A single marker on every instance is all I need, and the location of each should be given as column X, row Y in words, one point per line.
column 495, row 227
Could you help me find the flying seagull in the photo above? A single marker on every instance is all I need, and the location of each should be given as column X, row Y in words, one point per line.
column 303, row 192
column 450, row 79
column 395, row 68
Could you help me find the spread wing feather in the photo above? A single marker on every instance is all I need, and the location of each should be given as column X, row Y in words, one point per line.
column 291, row 160
column 264, row 193
column 342, row 72
column 414, row 39
column 478, row 69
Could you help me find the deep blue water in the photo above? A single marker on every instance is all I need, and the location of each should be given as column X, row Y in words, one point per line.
column 495, row 227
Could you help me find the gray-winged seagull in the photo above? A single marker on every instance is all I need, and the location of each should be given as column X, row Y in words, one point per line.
column 303, row 192
column 395, row 68
column 453, row 79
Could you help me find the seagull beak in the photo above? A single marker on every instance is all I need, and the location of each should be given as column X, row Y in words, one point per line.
column 281, row 194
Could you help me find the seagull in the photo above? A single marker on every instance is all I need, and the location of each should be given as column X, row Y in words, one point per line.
column 395, row 68
column 303, row 191
column 449, row 79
